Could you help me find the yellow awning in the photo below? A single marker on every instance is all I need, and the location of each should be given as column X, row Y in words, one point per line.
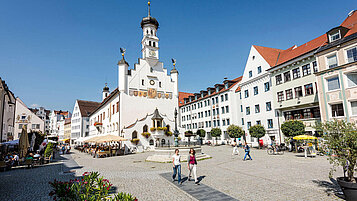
column 64, row 140
column 304, row 137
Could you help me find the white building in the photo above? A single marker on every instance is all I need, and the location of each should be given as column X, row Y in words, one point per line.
column 56, row 118
column 80, row 119
column 145, row 100
column 256, row 94
column 216, row 107
column 25, row 117
column 44, row 115
column 7, row 112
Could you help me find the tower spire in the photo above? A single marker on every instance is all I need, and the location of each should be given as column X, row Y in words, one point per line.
column 148, row 8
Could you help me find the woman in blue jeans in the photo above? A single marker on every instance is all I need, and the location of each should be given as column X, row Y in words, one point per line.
column 176, row 163
column 247, row 151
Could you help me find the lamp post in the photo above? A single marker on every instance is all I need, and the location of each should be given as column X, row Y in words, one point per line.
column 176, row 133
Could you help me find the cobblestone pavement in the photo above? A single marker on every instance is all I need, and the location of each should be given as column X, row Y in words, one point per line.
column 31, row 184
column 266, row 177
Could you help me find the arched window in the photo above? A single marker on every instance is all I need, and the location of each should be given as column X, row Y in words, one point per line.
column 147, row 31
column 168, row 128
column 149, row 43
column 154, row 44
column 163, row 141
column 134, row 135
column 158, row 123
column 145, row 128
column 152, row 33
column 151, row 142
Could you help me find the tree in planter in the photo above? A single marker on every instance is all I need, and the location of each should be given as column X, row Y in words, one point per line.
column 257, row 131
column 201, row 133
column 48, row 150
column 235, row 131
column 293, row 128
column 341, row 143
column 216, row 132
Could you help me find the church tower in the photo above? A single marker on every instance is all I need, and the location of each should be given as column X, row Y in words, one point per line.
column 150, row 41
column 105, row 92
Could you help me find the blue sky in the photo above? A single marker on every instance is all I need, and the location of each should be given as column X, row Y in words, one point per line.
column 54, row 52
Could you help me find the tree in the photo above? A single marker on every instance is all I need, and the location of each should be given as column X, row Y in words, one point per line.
column 341, row 143
column 216, row 132
column 293, row 128
column 235, row 131
column 201, row 133
column 257, row 131
column 48, row 150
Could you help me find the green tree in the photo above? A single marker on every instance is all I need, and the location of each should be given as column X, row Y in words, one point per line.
column 216, row 132
column 48, row 150
column 235, row 131
column 293, row 128
column 257, row 131
column 201, row 133
column 341, row 143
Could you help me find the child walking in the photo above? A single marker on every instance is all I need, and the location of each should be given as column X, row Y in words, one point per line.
column 192, row 165
column 176, row 163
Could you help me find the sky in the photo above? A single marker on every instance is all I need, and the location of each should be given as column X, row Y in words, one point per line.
column 53, row 52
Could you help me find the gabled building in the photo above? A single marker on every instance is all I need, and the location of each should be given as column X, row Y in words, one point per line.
column 215, row 107
column 257, row 101
column 80, row 119
column 57, row 122
column 337, row 75
column 25, row 117
column 44, row 115
column 7, row 112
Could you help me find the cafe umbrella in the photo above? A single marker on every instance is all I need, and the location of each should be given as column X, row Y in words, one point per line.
column 23, row 142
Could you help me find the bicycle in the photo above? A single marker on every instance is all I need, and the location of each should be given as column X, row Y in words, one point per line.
column 275, row 151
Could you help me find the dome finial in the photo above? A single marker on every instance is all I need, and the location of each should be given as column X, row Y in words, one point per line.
column 148, row 8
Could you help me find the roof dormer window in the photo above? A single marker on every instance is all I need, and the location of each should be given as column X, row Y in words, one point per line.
column 226, row 85
column 335, row 36
column 217, row 89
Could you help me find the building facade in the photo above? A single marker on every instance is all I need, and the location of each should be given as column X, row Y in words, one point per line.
column 67, row 128
column 57, row 122
column 25, row 117
column 7, row 112
column 80, row 119
column 337, row 75
column 215, row 107
column 257, row 103
column 44, row 115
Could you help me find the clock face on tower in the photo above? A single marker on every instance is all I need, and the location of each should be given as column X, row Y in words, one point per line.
column 152, row 53
column 152, row 82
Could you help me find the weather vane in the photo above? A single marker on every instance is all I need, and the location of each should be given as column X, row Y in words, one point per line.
column 173, row 62
column 122, row 51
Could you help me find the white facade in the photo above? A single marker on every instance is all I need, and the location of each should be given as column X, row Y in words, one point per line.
column 7, row 112
column 257, row 98
column 216, row 107
column 55, row 118
column 25, row 117
column 141, row 90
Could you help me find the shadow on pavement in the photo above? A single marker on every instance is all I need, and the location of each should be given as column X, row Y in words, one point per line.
column 331, row 187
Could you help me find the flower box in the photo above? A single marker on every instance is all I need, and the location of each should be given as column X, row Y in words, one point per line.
column 135, row 141
column 146, row 134
column 98, row 124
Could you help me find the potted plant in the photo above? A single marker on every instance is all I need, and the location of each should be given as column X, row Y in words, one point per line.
column 341, row 142
column 235, row 131
column 257, row 131
column 168, row 133
column 135, row 140
column 216, row 132
column 146, row 134
column 152, row 129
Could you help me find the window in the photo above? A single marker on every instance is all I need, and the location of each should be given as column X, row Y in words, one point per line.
column 298, row 92
column 354, row 107
column 335, row 36
column 309, row 89
column 307, row 114
column 226, row 97
column 278, row 79
column 246, row 94
column 134, row 135
column 241, row 108
column 287, row 77
column 223, row 122
column 250, row 74
column 217, row 111
column 259, row 69
column 217, row 122
column 306, row 70
column 142, row 82
column 249, row 124
column 314, row 66
column 333, row 83
column 268, row 106
column 23, row 117
column 208, row 102
column 209, row 113
column 159, row 84
column 289, row 94
column 332, row 61
column 228, row 123
column 222, row 108
column 154, row 44
column 257, row 109
column 280, row 96
column 214, row 123
column 266, row 86
column 352, row 54
column 337, row 110
column 222, row 98
column 242, row 121
column 247, row 110
column 212, row 100
column 214, row 112
column 227, row 109
column 352, row 79
column 217, row 99
column 296, row 73
column 255, row 90
column 270, row 123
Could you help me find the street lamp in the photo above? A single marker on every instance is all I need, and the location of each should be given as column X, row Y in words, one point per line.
column 176, row 132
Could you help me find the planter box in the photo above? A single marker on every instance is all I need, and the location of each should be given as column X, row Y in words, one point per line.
column 349, row 188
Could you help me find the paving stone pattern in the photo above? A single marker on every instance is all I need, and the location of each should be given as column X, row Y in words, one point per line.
column 200, row 192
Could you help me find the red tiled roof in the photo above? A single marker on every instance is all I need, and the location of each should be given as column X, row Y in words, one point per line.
column 87, row 107
column 269, row 54
column 236, row 80
column 351, row 23
column 183, row 95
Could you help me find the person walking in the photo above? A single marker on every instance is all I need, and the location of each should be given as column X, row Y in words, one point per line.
column 247, row 151
column 235, row 148
column 176, row 163
column 192, row 165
